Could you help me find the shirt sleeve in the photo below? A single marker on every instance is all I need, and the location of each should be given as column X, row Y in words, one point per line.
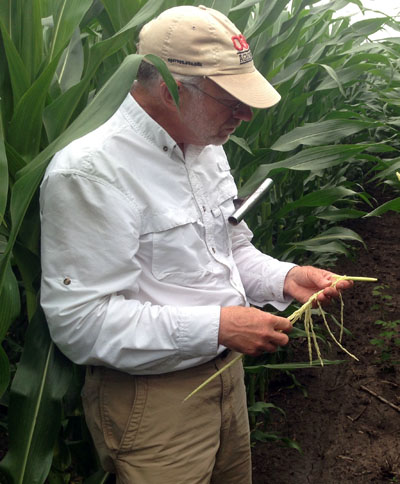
column 90, row 239
column 262, row 276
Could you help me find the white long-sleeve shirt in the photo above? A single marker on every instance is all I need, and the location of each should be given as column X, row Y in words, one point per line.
column 137, row 253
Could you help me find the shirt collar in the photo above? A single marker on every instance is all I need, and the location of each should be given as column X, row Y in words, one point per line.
column 146, row 127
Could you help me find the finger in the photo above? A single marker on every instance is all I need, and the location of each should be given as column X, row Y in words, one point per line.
column 283, row 324
column 278, row 339
column 271, row 348
column 343, row 285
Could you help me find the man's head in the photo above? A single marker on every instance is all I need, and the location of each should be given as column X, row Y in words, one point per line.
column 199, row 41
column 213, row 67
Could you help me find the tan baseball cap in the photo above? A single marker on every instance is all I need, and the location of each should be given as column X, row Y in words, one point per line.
column 200, row 41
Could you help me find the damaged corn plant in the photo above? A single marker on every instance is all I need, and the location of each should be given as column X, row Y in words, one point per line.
column 304, row 313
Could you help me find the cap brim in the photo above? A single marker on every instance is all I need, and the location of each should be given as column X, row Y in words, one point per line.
column 251, row 88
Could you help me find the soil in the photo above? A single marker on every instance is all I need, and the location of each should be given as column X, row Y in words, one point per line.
column 348, row 425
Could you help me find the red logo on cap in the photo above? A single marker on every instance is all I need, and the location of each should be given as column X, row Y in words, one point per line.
column 239, row 42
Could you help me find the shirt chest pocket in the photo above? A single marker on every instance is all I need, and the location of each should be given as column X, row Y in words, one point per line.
column 179, row 253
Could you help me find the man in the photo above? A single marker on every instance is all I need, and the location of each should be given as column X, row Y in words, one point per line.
column 145, row 281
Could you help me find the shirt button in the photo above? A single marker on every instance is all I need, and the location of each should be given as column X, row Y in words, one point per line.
column 165, row 148
column 67, row 281
column 212, row 248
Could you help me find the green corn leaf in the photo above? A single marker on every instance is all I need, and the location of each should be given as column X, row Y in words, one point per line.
column 244, row 5
column 31, row 37
column 346, row 75
column 3, row 172
column 334, row 234
column 390, row 205
column 223, row 6
column 67, row 19
column 167, row 76
column 322, row 132
column 308, row 159
column 9, row 310
column 366, row 27
column 19, row 75
column 331, row 72
column 26, row 124
column 70, row 67
column 333, row 214
column 121, row 12
column 261, row 407
column 334, row 247
column 9, row 302
column 391, row 170
column 268, row 15
column 318, row 198
column 40, row 383
column 4, row 371
column 15, row 161
column 28, row 264
column 241, row 142
column 290, row 366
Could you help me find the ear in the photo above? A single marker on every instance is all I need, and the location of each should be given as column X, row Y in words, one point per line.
column 166, row 96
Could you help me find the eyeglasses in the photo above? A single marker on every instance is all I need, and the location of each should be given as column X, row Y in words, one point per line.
column 233, row 106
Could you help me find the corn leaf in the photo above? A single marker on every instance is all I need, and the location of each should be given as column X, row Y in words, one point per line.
column 67, row 19
column 333, row 214
column 4, row 371
column 319, row 198
column 27, row 118
column 320, row 133
column 390, row 205
column 40, row 383
column 290, row 366
column 31, row 37
column 70, row 68
column 9, row 302
column 9, row 310
column 308, row 159
column 3, row 172
column 17, row 71
column 268, row 15
column 223, row 6
column 334, row 234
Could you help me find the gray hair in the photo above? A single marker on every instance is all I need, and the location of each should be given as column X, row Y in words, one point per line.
column 148, row 76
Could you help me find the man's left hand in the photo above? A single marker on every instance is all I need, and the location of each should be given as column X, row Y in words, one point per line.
column 303, row 281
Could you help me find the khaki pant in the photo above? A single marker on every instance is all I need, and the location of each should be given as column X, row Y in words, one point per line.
column 146, row 434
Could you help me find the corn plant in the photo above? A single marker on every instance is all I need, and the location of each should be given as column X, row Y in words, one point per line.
column 66, row 65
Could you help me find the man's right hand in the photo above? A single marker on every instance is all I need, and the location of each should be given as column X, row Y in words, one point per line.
column 252, row 331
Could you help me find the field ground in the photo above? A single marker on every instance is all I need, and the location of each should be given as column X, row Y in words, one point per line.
column 349, row 424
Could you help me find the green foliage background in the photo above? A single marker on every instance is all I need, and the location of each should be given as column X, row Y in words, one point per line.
column 66, row 65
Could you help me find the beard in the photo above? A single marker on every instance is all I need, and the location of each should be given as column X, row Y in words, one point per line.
column 204, row 129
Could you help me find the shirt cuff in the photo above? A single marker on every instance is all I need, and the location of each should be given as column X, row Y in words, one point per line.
column 273, row 286
column 198, row 331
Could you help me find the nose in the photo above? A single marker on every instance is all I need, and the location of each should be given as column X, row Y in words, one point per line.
column 243, row 112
